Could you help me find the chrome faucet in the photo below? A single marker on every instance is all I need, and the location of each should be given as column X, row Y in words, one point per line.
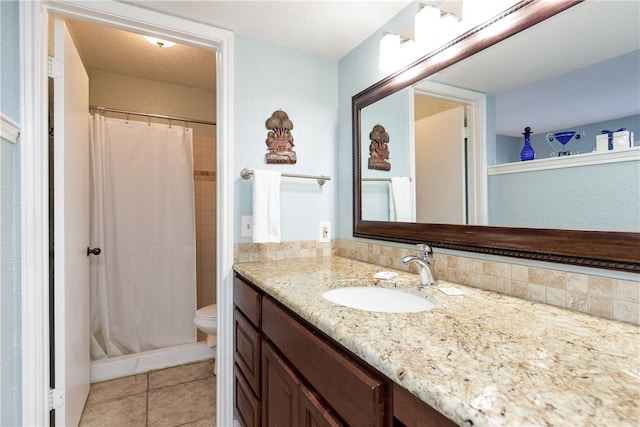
column 425, row 264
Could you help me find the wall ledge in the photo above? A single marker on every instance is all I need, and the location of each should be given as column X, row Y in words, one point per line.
column 585, row 159
column 9, row 129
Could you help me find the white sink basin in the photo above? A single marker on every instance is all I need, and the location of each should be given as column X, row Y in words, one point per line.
column 378, row 299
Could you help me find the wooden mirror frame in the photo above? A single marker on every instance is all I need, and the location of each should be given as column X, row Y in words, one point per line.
column 602, row 249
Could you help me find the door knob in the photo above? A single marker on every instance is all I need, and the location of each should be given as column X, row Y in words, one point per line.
column 94, row 251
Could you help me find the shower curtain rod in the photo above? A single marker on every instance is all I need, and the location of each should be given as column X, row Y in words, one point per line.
column 155, row 116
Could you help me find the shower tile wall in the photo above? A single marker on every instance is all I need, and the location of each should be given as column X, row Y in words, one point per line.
column 204, row 164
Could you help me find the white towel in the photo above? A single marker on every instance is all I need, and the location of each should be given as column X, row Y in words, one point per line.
column 400, row 206
column 266, row 206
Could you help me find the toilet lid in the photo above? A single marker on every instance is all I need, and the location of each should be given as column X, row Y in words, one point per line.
column 208, row 311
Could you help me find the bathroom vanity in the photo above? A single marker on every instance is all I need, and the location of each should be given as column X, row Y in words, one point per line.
column 288, row 373
column 477, row 359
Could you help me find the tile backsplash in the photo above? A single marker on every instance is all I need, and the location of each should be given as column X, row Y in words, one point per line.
column 597, row 295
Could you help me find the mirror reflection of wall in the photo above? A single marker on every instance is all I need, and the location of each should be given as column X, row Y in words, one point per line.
column 586, row 190
column 392, row 113
column 602, row 96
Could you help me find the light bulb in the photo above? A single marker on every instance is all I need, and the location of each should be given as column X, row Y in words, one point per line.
column 158, row 42
column 389, row 51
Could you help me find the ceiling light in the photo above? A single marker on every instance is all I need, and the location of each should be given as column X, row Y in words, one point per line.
column 160, row 43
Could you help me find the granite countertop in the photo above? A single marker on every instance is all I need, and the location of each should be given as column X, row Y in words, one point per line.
column 484, row 357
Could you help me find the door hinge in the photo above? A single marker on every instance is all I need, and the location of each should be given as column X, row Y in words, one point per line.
column 56, row 398
column 55, row 68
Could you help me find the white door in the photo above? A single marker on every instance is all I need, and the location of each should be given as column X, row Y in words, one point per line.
column 440, row 168
column 72, row 367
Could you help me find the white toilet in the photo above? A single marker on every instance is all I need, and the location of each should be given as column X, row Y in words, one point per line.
column 206, row 320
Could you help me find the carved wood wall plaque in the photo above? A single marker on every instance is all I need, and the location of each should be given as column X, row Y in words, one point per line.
column 279, row 139
column 379, row 149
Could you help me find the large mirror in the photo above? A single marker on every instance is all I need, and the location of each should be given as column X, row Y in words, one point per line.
column 495, row 202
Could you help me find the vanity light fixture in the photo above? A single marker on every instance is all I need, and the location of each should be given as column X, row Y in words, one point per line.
column 427, row 22
column 158, row 42
column 395, row 51
column 389, row 48
column 433, row 27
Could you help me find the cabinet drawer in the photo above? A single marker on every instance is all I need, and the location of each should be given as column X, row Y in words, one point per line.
column 247, row 406
column 246, row 348
column 248, row 300
column 357, row 396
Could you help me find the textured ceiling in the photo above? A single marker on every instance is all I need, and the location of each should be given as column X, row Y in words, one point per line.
column 114, row 51
column 326, row 28
column 329, row 29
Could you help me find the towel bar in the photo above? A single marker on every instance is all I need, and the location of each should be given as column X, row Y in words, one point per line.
column 246, row 174
column 380, row 179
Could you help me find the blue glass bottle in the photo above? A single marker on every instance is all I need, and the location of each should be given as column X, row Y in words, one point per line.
column 527, row 152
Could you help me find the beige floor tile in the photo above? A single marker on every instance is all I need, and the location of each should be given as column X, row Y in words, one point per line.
column 180, row 374
column 209, row 422
column 183, row 403
column 127, row 411
column 120, row 387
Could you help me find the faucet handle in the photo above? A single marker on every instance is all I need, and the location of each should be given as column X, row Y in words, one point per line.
column 425, row 250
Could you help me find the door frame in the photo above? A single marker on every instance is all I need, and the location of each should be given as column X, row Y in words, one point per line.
column 476, row 110
column 34, row 183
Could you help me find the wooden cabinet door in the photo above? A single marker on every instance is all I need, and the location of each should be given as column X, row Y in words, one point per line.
column 247, row 406
column 280, row 388
column 247, row 342
column 313, row 413
column 355, row 394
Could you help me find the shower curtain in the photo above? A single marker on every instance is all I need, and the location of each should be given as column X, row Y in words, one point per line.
column 143, row 284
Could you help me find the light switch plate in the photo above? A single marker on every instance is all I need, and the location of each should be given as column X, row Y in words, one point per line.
column 247, row 226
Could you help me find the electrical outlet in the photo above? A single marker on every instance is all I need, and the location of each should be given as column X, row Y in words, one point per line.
column 324, row 234
column 247, row 226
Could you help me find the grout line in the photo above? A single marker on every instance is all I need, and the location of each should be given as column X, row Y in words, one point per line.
column 146, row 409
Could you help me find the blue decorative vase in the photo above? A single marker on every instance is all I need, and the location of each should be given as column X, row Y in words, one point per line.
column 527, row 152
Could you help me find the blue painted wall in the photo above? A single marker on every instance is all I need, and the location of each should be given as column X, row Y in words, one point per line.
column 10, row 330
column 602, row 197
column 269, row 77
column 596, row 197
column 392, row 114
column 358, row 70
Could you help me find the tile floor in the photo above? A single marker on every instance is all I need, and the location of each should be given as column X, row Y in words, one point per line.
column 179, row 396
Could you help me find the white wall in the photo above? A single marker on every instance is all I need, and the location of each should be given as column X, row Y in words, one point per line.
column 269, row 77
column 146, row 96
